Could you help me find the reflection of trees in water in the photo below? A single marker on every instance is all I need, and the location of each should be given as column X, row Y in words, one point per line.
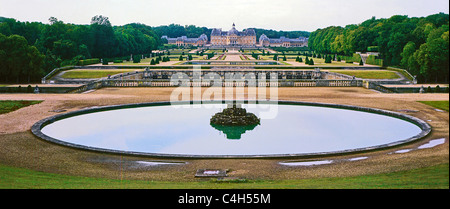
column 234, row 132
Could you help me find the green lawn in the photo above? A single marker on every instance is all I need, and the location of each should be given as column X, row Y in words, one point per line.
column 85, row 74
column 443, row 105
column 434, row 177
column 12, row 105
column 369, row 74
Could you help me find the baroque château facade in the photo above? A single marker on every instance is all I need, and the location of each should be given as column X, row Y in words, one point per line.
column 235, row 38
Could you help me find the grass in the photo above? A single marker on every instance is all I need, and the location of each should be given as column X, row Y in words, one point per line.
column 86, row 74
column 7, row 106
column 434, row 177
column 369, row 74
column 443, row 105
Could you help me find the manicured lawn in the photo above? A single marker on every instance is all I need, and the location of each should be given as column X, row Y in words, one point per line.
column 434, row 177
column 85, row 74
column 12, row 105
column 369, row 74
column 443, row 105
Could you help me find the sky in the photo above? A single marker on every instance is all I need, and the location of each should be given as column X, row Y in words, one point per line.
column 286, row 15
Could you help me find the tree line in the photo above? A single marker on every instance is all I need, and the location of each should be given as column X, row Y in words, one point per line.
column 29, row 50
column 192, row 31
column 418, row 44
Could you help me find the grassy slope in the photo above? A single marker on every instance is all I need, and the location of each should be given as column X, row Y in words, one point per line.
column 369, row 74
column 12, row 105
column 85, row 74
column 435, row 177
column 443, row 105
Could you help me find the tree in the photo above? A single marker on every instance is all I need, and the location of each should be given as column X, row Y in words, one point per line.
column 20, row 61
column 311, row 62
column 103, row 37
column 327, row 59
column 100, row 20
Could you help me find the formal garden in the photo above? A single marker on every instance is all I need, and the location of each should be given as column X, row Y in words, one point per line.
column 117, row 107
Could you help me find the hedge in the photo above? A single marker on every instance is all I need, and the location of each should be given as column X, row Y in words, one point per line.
column 89, row 61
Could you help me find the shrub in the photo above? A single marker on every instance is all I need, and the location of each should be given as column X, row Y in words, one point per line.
column 152, row 62
column 136, row 58
column 88, row 61
column 327, row 59
column 373, row 48
column 300, row 59
column 104, row 61
column 361, row 62
column 311, row 62
column 437, row 89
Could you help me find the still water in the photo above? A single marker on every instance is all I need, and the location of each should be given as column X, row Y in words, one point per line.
column 186, row 130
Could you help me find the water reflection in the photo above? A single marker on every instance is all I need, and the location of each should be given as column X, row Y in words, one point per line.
column 165, row 129
column 233, row 132
column 234, row 121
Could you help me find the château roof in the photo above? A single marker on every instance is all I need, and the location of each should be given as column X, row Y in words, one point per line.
column 233, row 31
column 186, row 39
column 282, row 39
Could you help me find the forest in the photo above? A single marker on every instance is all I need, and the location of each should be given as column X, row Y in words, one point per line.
column 417, row 44
column 30, row 50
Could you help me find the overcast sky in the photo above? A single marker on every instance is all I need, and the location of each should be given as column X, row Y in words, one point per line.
column 288, row 15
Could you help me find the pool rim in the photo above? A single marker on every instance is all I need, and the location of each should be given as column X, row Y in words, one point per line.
column 424, row 126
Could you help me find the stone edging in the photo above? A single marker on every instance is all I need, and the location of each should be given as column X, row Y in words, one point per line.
column 425, row 127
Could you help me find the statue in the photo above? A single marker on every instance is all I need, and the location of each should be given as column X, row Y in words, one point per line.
column 234, row 115
column 36, row 90
column 234, row 121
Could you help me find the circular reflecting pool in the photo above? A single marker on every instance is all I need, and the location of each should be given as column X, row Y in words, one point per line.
column 184, row 130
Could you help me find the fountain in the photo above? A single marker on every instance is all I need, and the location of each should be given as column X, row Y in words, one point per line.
column 234, row 115
column 299, row 129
